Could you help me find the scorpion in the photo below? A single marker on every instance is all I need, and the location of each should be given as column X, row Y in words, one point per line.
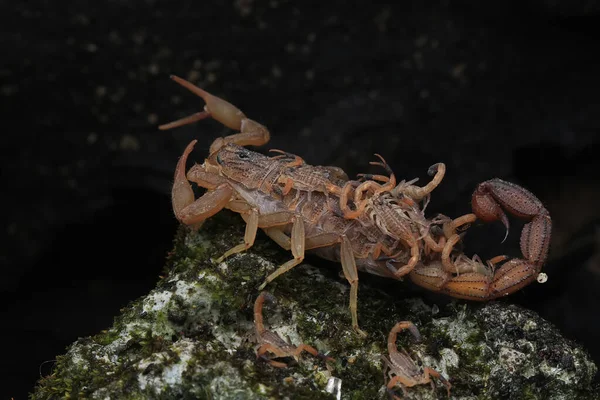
column 271, row 342
column 402, row 367
column 373, row 224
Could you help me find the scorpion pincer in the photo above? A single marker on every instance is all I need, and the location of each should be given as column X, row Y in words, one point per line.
column 373, row 224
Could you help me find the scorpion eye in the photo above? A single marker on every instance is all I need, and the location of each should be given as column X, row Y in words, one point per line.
column 243, row 155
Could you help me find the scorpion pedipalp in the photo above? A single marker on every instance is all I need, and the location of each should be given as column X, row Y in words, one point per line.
column 221, row 110
column 251, row 132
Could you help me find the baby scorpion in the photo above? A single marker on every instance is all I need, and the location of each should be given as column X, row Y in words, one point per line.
column 271, row 342
column 372, row 224
column 401, row 368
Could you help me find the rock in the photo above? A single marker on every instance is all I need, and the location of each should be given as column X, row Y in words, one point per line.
column 193, row 336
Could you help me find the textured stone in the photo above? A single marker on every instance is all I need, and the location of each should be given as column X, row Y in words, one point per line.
column 193, row 337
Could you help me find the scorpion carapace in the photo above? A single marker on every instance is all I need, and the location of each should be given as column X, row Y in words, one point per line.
column 373, row 223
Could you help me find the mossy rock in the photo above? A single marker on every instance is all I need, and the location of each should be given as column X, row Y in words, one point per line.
column 193, row 337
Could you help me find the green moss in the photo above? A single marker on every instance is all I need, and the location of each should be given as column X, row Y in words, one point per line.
column 193, row 336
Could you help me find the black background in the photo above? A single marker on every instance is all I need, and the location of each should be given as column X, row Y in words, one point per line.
column 504, row 89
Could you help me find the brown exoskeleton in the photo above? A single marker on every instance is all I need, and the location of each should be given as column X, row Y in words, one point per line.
column 374, row 225
column 401, row 369
column 271, row 342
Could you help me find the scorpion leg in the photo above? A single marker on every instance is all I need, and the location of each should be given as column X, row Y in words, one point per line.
column 285, row 352
column 253, row 222
column 269, row 348
column 309, row 349
column 251, row 132
column 381, row 178
column 347, row 260
column 400, row 381
column 382, row 248
column 310, row 242
column 297, row 247
column 296, row 160
column 249, row 235
column 351, row 274
column 375, row 177
column 389, row 184
column 278, row 236
column 427, row 372
column 386, row 367
column 298, row 243
column 192, row 211
column 322, row 240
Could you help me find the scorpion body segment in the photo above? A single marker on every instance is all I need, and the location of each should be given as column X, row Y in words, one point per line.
column 373, row 224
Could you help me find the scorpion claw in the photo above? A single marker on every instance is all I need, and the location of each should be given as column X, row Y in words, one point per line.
column 488, row 200
column 490, row 195
column 325, row 357
column 487, row 208
column 250, row 132
column 221, row 110
column 190, row 119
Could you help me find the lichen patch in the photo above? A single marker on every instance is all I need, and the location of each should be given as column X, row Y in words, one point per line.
column 156, row 301
column 175, row 364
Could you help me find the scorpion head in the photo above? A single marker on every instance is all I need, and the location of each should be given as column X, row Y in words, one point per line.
column 240, row 165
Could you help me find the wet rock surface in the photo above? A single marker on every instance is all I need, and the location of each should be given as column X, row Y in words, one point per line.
column 193, row 336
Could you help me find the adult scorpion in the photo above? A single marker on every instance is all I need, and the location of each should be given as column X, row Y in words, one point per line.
column 374, row 224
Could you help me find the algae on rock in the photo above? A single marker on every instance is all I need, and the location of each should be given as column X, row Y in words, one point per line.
column 193, row 337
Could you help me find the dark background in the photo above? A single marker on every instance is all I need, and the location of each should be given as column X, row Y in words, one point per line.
column 506, row 89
